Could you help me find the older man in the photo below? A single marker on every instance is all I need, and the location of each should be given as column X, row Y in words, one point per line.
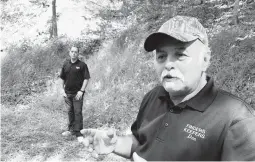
column 187, row 118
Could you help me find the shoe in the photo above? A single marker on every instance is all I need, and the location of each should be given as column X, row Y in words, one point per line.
column 67, row 133
column 78, row 134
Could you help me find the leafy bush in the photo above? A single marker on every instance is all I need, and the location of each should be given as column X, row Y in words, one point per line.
column 89, row 47
column 27, row 68
column 206, row 13
column 233, row 63
column 120, row 76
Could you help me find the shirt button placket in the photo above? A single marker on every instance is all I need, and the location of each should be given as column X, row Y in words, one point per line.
column 163, row 132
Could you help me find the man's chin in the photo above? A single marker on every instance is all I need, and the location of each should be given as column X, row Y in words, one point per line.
column 172, row 88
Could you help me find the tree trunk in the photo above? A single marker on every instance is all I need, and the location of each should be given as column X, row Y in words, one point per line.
column 235, row 12
column 54, row 19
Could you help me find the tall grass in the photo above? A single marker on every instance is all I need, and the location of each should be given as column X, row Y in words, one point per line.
column 233, row 63
column 27, row 68
column 33, row 132
column 120, row 75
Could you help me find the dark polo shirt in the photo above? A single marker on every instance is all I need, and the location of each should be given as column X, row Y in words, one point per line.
column 213, row 125
column 73, row 75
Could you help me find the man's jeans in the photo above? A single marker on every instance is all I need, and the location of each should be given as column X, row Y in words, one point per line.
column 74, row 112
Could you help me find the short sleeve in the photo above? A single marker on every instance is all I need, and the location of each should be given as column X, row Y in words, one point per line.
column 137, row 123
column 86, row 72
column 239, row 143
column 62, row 73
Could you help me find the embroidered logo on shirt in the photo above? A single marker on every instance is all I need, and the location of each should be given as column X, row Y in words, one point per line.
column 194, row 132
column 77, row 67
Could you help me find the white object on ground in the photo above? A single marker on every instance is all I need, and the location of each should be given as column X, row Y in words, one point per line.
column 66, row 133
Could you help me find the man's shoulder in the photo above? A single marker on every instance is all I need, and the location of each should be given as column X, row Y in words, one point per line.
column 231, row 98
column 82, row 63
column 150, row 97
column 237, row 106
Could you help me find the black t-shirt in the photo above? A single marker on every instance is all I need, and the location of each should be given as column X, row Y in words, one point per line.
column 73, row 75
column 213, row 125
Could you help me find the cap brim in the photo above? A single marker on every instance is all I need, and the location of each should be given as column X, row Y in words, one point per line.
column 153, row 40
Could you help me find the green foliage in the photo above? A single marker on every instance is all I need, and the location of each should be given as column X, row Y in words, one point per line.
column 27, row 68
column 33, row 133
column 90, row 47
column 233, row 63
column 120, row 76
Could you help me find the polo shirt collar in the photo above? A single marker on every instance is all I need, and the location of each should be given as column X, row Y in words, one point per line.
column 74, row 62
column 163, row 94
column 200, row 101
column 204, row 98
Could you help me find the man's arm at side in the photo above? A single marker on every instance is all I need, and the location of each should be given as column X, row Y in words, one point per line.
column 62, row 75
column 63, row 84
column 125, row 145
column 239, row 144
column 86, row 78
column 84, row 84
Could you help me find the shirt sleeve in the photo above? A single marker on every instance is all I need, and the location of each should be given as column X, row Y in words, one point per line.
column 239, row 143
column 137, row 123
column 62, row 73
column 86, row 72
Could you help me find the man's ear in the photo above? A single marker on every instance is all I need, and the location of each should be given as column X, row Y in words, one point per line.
column 206, row 61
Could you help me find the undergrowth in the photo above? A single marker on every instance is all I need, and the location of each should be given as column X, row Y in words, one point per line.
column 27, row 68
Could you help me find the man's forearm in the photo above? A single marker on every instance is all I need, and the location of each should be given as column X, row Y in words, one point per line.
column 84, row 84
column 63, row 84
column 124, row 145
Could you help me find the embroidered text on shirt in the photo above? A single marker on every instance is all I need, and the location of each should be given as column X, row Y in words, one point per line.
column 194, row 132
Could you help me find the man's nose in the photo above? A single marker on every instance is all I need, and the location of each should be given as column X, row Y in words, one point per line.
column 170, row 63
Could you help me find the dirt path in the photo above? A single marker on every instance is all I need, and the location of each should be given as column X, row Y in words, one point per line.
column 32, row 132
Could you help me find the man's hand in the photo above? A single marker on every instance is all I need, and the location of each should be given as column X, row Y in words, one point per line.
column 103, row 141
column 78, row 95
column 137, row 158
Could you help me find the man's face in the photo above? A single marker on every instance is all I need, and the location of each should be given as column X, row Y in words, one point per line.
column 74, row 53
column 180, row 65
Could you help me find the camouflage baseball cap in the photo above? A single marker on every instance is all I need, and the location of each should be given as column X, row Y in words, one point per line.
column 182, row 28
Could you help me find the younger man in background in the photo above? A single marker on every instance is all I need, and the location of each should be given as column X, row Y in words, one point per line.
column 75, row 76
